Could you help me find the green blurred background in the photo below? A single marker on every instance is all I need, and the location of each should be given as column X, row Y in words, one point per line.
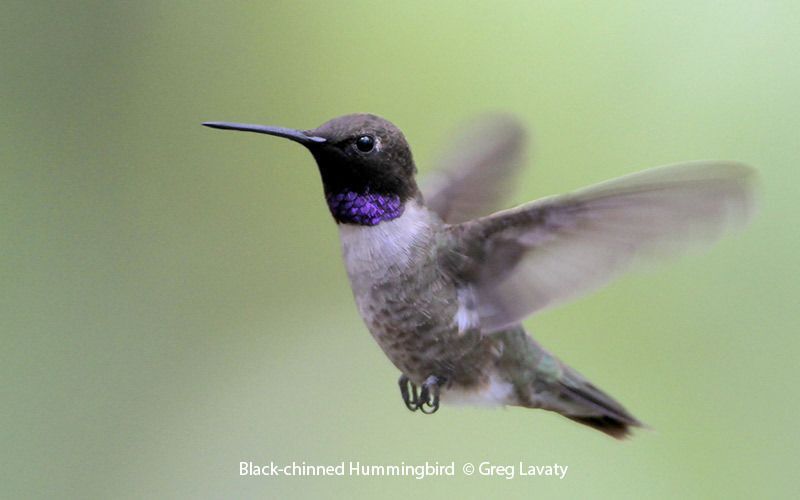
column 173, row 300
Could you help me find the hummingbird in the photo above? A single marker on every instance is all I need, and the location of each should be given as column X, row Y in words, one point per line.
column 443, row 284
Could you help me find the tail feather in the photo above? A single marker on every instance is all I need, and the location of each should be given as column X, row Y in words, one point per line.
column 588, row 405
column 542, row 381
column 580, row 401
column 615, row 428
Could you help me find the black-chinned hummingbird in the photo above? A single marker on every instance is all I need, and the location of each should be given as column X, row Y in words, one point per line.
column 443, row 286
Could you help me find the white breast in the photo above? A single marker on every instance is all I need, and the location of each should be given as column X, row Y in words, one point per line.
column 369, row 251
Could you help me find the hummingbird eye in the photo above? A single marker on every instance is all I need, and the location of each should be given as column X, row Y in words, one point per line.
column 365, row 143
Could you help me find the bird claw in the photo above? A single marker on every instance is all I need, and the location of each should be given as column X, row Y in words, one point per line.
column 427, row 399
column 411, row 399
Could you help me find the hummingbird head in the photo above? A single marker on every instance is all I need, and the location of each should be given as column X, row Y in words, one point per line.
column 364, row 160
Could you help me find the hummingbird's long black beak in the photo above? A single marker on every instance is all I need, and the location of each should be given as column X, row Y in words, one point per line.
column 288, row 133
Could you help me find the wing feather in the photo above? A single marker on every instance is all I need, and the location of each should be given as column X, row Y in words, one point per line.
column 546, row 252
column 475, row 174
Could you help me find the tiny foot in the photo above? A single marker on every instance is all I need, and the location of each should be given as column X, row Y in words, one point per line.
column 429, row 395
column 411, row 399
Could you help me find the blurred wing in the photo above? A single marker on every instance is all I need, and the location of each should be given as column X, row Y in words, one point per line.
column 540, row 254
column 476, row 173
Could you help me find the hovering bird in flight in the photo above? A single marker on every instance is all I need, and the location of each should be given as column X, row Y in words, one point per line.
column 443, row 284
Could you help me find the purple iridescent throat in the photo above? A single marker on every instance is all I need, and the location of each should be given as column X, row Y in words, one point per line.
column 365, row 209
